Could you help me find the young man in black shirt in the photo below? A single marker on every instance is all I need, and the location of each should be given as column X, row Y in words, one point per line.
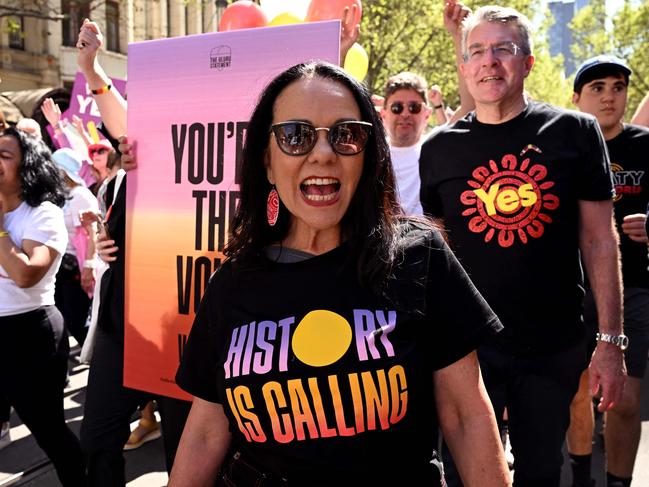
column 523, row 189
column 600, row 88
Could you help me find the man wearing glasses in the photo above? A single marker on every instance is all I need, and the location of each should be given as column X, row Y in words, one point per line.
column 405, row 116
column 524, row 188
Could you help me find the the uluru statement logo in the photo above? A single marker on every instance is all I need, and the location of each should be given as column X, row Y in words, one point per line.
column 220, row 57
column 510, row 200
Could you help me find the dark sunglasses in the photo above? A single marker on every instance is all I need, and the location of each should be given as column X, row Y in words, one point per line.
column 413, row 107
column 296, row 138
column 98, row 151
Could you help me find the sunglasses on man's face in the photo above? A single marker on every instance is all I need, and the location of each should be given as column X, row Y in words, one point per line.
column 297, row 138
column 98, row 151
column 414, row 107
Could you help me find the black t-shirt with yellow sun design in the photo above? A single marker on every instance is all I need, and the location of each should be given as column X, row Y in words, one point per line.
column 322, row 381
column 509, row 196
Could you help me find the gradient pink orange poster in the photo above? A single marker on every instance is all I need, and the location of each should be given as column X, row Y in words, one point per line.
column 189, row 101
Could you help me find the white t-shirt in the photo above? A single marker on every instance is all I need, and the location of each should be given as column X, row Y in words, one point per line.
column 81, row 199
column 405, row 161
column 44, row 224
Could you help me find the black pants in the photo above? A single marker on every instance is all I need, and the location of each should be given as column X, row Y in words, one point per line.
column 108, row 410
column 71, row 299
column 537, row 392
column 33, row 368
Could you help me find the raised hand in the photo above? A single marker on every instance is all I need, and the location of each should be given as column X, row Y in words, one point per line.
column 454, row 14
column 435, row 95
column 51, row 111
column 349, row 32
column 89, row 42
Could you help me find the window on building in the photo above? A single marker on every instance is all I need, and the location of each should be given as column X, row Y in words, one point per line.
column 74, row 12
column 112, row 26
column 16, row 32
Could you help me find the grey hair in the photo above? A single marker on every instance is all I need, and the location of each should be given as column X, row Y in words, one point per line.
column 504, row 15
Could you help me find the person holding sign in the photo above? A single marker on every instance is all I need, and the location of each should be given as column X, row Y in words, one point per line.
column 339, row 333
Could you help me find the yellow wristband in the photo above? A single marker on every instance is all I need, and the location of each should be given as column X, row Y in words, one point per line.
column 102, row 90
column 3, row 233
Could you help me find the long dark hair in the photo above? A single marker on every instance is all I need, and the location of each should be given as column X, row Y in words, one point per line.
column 40, row 178
column 370, row 223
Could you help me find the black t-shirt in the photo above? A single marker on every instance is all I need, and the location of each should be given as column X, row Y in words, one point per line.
column 110, row 316
column 323, row 381
column 629, row 154
column 508, row 194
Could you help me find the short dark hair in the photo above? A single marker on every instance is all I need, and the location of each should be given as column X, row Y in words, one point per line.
column 600, row 72
column 40, row 177
column 369, row 225
column 406, row 81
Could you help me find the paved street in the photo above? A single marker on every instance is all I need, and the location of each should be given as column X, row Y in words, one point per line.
column 23, row 463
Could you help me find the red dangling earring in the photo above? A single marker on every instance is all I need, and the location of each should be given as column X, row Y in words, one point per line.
column 272, row 207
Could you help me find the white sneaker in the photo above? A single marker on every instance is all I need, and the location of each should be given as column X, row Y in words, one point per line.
column 5, row 435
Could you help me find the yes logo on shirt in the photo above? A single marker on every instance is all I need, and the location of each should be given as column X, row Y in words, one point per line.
column 510, row 200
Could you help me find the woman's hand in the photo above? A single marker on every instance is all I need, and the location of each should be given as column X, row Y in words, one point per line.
column 106, row 247
column 88, row 280
column 89, row 42
column 88, row 218
column 51, row 111
column 129, row 161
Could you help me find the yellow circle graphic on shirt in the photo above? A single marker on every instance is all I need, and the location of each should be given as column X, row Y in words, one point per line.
column 321, row 338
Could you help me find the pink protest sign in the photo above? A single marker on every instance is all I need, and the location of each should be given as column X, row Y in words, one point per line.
column 83, row 105
column 189, row 102
column 82, row 102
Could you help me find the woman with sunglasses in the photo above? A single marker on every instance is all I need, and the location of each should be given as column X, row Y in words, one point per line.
column 100, row 155
column 338, row 334
column 33, row 238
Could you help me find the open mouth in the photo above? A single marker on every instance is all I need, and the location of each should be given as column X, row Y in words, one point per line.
column 486, row 79
column 320, row 189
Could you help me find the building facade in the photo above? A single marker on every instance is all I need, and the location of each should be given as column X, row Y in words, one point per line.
column 37, row 41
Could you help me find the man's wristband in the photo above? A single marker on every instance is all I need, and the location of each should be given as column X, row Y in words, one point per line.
column 102, row 90
column 621, row 341
column 437, row 107
column 88, row 264
column 4, row 233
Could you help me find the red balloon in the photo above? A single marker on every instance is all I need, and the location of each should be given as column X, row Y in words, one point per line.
column 242, row 14
column 332, row 10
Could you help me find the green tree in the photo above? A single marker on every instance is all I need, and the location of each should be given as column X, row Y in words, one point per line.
column 409, row 35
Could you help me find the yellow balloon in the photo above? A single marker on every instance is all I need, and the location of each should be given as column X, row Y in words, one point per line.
column 357, row 62
column 285, row 18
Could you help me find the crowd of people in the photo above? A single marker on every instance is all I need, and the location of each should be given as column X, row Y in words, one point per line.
column 453, row 288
